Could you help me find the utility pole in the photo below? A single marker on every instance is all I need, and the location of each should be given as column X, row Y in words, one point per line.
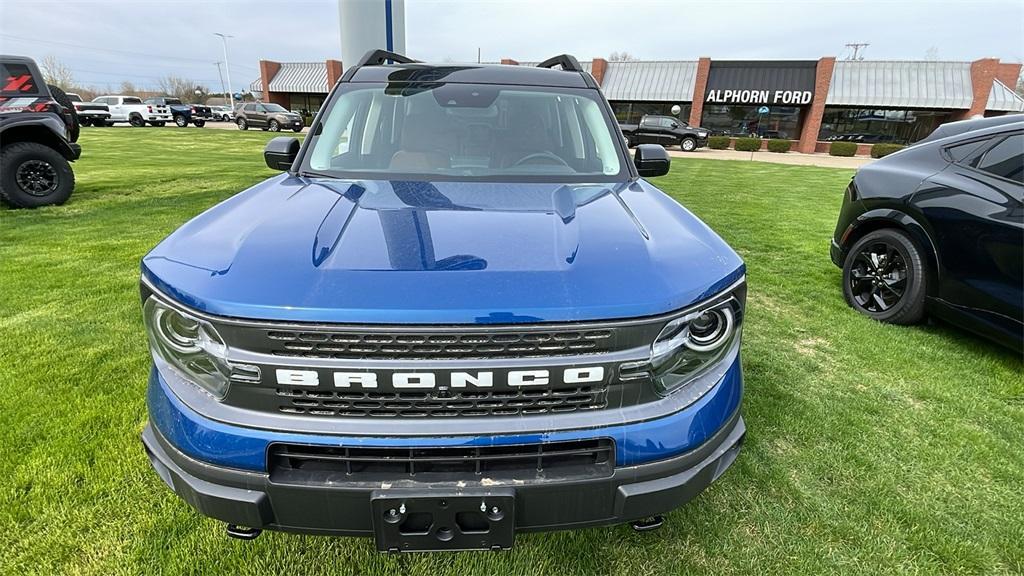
column 857, row 47
column 221, row 75
column 227, row 66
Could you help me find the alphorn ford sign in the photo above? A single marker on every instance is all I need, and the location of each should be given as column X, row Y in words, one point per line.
column 787, row 83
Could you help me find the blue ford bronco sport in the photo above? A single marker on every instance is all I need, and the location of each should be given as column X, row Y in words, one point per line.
column 459, row 313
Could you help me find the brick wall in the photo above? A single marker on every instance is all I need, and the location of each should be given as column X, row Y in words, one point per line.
column 699, row 87
column 814, row 114
column 509, row 62
column 598, row 68
column 268, row 69
column 334, row 72
column 982, row 73
column 1008, row 74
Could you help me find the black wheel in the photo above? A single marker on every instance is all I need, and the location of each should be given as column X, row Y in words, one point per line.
column 242, row 124
column 688, row 144
column 32, row 175
column 74, row 126
column 158, row 124
column 884, row 277
column 200, row 123
column 274, row 126
column 136, row 121
column 180, row 121
column 297, row 129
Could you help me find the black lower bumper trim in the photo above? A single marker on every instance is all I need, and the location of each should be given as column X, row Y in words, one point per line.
column 630, row 493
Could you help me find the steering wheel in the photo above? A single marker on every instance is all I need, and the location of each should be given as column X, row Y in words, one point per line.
column 541, row 156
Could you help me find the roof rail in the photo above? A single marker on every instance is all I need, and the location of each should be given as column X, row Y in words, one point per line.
column 379, row 57
column 566, row 61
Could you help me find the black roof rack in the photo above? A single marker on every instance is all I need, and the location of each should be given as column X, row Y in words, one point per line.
column 566, row 61
column 379, row 57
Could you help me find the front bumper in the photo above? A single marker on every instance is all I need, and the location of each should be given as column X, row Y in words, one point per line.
column 836, row 253
column 634, row 492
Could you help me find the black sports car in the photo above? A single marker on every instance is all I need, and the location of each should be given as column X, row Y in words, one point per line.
column 938, row 228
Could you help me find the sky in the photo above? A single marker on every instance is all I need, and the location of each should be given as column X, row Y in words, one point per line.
column 107, row 42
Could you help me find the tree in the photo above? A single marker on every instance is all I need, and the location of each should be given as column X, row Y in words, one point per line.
column 57, row 74
column 127, row 88
column 182, row 88
column 932, row 54
column 621, row 57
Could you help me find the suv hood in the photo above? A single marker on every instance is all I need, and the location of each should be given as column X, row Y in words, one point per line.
column 326, row 250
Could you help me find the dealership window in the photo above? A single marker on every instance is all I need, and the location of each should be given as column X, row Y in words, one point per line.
column 744, row 120
column 871, row 125
column 632, row 112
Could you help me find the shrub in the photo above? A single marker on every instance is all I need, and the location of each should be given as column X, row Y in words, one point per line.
column 748, row 144
column 779, row 146
column 842, row 148
column 718, row 142
column 880, row 150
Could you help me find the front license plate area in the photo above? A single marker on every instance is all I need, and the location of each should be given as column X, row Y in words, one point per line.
column 416, row 522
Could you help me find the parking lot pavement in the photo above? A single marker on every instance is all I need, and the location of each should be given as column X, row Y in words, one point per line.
column 794, row 158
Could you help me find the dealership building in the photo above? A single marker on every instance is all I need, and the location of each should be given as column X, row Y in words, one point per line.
column 807, row 101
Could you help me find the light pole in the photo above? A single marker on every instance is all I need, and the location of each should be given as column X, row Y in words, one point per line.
column 220, row 74
column 227, row 66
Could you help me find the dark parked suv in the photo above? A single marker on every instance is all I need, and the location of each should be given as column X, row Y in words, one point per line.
column 273, row 117
column 939, row 228
column 665, row 130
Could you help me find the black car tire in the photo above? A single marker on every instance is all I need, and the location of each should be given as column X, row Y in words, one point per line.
column 629, row 142
column 180, row 121
column 158, row 124
column 297, row 129
column 75, row 128
column 274, row 126
column 688, row 144
column 200, row 123
column 871, row 277
column 242, row 124
column 32, row 156
column 136, row 121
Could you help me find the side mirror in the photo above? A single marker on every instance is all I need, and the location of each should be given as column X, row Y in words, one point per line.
column 650, row 159
column 281, row 152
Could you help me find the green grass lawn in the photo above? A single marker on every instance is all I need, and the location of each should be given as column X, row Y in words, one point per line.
column 872, row 449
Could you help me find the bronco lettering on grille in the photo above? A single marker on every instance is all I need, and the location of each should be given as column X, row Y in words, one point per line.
column 427, row 380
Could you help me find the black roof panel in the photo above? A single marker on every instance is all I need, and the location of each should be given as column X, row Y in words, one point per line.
column 470, row 74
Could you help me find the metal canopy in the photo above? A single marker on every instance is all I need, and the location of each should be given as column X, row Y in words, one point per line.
column 670, row 81
column 901, row 84
column 1003, row 99
column 300, row 77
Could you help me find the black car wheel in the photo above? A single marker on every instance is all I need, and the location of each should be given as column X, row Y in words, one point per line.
column 274, row 126
column 158, row 124
column 200, row 123
column 297, row 129
column 884, row 277
column 32, row 174
column 136, row 121
column 180, row 121
column 242, row 124
column 688, row 144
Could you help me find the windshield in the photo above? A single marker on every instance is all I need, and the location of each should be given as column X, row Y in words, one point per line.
column 445, row 131
column 174, row 101
column 274, row 108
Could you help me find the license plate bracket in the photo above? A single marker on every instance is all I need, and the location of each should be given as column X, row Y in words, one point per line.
column 419, row 521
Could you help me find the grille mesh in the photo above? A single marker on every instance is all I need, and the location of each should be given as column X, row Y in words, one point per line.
column 438, row 345
column 436, row 404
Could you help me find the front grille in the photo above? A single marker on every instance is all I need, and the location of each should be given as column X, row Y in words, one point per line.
column 442, row 404
column 294, row 463
column 440, row 345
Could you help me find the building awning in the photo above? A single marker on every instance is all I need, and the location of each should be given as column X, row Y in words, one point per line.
column 1002, row 99
column 669, row 81
column 308, row 77
column 256, row 85
column 901, row 84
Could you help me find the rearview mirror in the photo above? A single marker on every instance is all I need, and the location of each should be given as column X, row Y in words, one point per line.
column 650, row 159
column 281, row 152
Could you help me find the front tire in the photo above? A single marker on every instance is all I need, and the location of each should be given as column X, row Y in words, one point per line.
column 33, row 175
column 158, row 124
column 180, row 121
column 688, row 144
column 136, row 121
column 297, row 129
column 242, row 124
column 274, row 126
column 884, row 277
column 200, row 123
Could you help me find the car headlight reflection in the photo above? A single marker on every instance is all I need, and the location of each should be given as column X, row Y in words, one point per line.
column 190, row 346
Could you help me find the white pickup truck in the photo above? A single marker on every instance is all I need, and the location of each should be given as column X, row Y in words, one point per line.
column 133, row 110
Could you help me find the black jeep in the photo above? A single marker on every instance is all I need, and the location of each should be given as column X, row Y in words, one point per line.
column 37, row 137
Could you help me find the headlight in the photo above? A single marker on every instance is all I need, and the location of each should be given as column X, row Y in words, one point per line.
column 692, row 344
column 190, row 346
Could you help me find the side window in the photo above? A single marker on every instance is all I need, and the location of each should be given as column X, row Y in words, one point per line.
column 1005, row 159
column 649, row 121
column 17, row 79
column 250, row 107
column 963, row 152
column 667, row 122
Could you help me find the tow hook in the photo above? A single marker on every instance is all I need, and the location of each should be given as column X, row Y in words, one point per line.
column 242, row 532
column 648, row 524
